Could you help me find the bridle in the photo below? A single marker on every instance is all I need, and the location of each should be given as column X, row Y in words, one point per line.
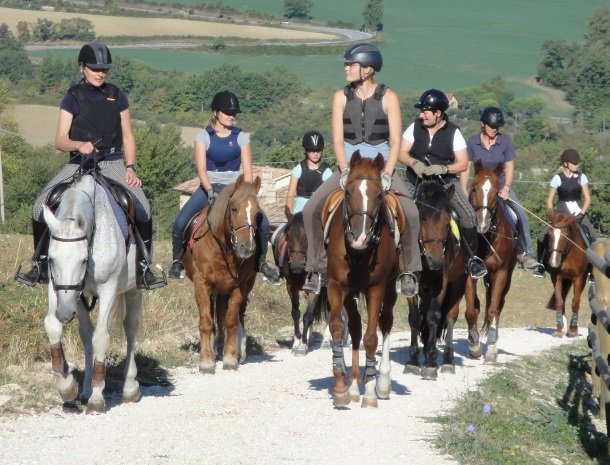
column 234, row 230
column 373, row 233
column 70, row 287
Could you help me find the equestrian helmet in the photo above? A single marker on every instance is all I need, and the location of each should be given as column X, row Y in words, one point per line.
column 365, row 55
column 492, row 117
column 313, row 141
column 226, row 102
column 570, row 156
column 95, row 55
column 433, row 99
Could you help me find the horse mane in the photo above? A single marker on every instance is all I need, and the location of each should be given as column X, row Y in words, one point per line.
column 361, row 167
column 431, row 199
column 237, row 191
column 77, row 203
column 295, row 223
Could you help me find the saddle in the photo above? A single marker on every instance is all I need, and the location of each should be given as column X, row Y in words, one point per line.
column 396, row 217
column 192, row 226
column 279, row 244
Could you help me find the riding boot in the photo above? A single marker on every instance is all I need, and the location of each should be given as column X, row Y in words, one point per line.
column 39, row 271
column 175, row 270
column 475, row 266
column 541, row 251
column 271, row 272
column 145, row 278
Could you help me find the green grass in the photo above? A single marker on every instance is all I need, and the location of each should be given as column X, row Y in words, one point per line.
column 540, row 410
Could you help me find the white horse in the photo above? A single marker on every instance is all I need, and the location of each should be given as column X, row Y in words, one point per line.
column 87, row 254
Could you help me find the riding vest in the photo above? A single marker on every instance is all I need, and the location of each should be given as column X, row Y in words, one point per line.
column 224, row 153
column 570, row 189
column 310, row 179
column 98, row 121
column 365, row 121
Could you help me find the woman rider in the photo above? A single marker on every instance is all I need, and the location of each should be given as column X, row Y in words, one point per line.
column 94, row 120
column 365, row 117
column 221, row 149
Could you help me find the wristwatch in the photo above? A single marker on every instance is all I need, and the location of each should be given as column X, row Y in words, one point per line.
column 132, row 166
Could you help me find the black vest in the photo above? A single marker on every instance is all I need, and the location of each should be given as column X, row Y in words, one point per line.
column 365, row 121
column 310, row 180
column 98, row 121
column 570, row 189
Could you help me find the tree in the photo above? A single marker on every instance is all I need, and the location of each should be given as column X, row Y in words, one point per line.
column 373, row 15
column 23, row 32
column 42, row 30
column 297, row 8
column 73, row 29
column 14, row 61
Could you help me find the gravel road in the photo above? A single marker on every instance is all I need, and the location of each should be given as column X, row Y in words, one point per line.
column 276, row 409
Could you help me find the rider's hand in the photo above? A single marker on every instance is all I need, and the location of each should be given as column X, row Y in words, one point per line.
column 85, row 148
column 131, row 178
column 504, row 192
column 343, row 178
column 211, row 195
column 580, row 217
column 386, row 180
column 434, row 170
column 418, row 167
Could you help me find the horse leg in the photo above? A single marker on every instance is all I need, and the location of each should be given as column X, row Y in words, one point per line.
column 229, row 357
column 295, row 313
column 351, row 319
column 336, row 297
column 494, row 296
column 308, row 319
column 448, row 366
column 412, row 365
column 559, row 304
column 433, row 321
column 207, row 355
column 131, row 302
column 65, row 382
column 473, row 308
column 85, row 331
column 579, row 285
column 386, row 321
column 373, row 303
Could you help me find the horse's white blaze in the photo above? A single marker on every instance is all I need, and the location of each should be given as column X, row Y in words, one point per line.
column 249, row 219
column 361, row 237
column 555, row 258
column 485, row 211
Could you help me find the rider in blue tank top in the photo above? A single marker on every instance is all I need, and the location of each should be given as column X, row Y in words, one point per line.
column 221, row 149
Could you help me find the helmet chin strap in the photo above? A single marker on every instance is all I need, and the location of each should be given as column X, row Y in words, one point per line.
column 362, row 78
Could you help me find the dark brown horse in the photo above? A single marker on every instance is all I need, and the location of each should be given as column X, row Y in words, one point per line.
column 497, row 245
column 442, row 282
column 362, row 259
column 567, row 263
column 221, row 265
column 290, row 250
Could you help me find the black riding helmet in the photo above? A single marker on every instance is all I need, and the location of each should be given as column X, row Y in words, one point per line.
column 226, row 102
column 433, row 99
column 365, row 55
column 313, row 141
column 492, row 117
column 95, row 55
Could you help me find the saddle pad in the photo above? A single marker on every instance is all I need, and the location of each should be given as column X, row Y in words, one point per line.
column 396, row 211
column 119, row 213
column 198, row 222
column 330, row 207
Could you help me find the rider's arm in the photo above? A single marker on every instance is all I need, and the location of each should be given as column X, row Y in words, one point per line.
column 339, row 101
column 290, row 195
column 460, row 164
column 550, row 197
column 464, row 180
column 406, row 143
column 392, row 105
column 509, row 172
column 246, row 162
column 200, row 164
column 129, row 149
column 586, row 198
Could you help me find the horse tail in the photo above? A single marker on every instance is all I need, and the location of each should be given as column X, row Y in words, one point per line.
column 321, row 307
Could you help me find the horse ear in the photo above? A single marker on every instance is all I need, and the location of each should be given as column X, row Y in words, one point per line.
column 288, row 213
column 257, row 183
column 49, row 218
column 238, row 182
column 450, row 191
column 356, row 157
column 499, row 169
column 478, row 166
column 550, row 213
column 379, row 161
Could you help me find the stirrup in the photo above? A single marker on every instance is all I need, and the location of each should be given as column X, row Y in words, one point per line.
column 539, row 271
column 175, row 270
column 28, row 278
column 474, row 273
column 314, row 282
column 410, row 289
column 150, row 282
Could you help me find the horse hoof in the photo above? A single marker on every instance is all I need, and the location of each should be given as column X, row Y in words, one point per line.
column 131, row 397
column 369, row 402
column 572, row 332
column 474, row 351
column 341, row 399
column 300, row 351
column 411, row 370
column 429, row 373
column 230, row 366
column 491, row 358
column 96, row 407
column 447, row 368
column 207, row 369
column 70, row 392
column 325, row 345
column 383, row 392
column 558, row 333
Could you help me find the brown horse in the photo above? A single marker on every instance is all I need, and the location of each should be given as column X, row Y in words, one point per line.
column 497, row 244
column 442, row 282
column 362, row 258
column 221, row 266
column 290, row 250
column 567, row 263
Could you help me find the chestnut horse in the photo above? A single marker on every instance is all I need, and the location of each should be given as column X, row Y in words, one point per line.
column 362, row 258
column 442, row 282
column 290, row 250
column 567, row 263
column 221, row 266
column 497, row 245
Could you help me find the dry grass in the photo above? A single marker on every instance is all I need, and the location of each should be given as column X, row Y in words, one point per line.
column 111, row 26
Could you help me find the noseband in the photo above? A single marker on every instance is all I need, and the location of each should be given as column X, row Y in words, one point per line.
column 69, row 287
column 373, row 233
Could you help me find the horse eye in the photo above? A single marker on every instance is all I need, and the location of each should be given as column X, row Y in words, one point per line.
column 233, row 209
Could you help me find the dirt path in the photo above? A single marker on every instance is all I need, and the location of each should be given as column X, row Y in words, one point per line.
column 276, row 409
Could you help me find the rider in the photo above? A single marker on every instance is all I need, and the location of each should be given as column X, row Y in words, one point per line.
column 221, row 149
column 491, row 147
column 572, row 189
column 94, row 121
column 365, row 117
column 308, row 175
column 435, row 149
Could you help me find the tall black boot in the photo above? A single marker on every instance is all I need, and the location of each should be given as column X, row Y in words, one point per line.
column 270, row 271
column 145, row 278
column 39, row 269
column 175, row 270
column 475, row 266
column 540, row 252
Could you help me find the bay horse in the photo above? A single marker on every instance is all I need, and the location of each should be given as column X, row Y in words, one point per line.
column 221, row 265
column 567, row 264
column 442, row 281
column 497, row 246
column 88, row 255
column 290, row 250
column 362, row 259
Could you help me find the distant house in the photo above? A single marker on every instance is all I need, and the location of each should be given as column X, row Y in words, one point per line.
column 272, row 194
column 453, row 101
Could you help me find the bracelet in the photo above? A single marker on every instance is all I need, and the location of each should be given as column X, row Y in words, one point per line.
column 132, row 166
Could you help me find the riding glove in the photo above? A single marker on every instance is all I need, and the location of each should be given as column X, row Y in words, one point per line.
column 343, row 179
column 418, row 167
column 434, row 170
column 211, row 195
column 386, row 180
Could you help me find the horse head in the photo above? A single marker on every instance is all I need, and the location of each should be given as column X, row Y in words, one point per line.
column 296, row 242
column 560, row 236
column 70, row 237
column 483, row 193
column 434, row 217
column 241, row 212
column 363, row 201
